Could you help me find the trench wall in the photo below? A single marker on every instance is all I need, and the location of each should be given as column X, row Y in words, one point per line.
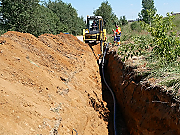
column 147, row 110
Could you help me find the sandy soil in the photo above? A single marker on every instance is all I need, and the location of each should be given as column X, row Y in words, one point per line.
column 49, row 85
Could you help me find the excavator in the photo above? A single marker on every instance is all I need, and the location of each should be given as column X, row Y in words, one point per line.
column 95, row 33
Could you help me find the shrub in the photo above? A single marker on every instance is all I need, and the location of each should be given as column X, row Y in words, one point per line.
column 136, row 26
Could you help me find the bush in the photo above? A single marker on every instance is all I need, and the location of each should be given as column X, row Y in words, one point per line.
column 2, row 30
column 166, row 44
column 136, row 26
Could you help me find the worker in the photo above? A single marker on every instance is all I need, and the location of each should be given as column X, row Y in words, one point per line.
column 117, row 34
column 94, row 25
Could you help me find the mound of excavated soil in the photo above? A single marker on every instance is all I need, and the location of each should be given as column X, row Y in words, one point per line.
column 48, row 85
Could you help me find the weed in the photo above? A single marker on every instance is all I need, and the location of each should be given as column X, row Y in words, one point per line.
column 160, row 46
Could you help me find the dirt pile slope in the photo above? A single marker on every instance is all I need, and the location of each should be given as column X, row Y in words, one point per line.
column 47, row 86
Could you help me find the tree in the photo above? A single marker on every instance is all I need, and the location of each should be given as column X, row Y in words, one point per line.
column 68, row 16
column 46, row 22
column 123, row 20
column 105, row 10
column 80, row 25
column 30, row 17
column 166, row 43
column 19, row 14
column 148, row 11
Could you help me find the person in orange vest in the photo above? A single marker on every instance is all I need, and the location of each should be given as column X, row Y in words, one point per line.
column 117, row 34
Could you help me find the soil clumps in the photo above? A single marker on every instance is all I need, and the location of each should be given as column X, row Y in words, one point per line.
column 49, row 85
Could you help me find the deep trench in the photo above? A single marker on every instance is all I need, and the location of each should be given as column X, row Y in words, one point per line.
column 107, row 97
column 141, row 108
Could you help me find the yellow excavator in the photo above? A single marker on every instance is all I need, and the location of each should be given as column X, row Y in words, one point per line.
column 95, row 33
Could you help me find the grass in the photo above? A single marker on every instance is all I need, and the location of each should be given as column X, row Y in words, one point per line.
column 176, row 21
column 166, row 75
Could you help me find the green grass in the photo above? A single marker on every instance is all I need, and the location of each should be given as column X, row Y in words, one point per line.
column 165, row 74
column 127, row 33
column 176, row 22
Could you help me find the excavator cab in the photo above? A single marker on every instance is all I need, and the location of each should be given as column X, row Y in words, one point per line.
column 94, row 31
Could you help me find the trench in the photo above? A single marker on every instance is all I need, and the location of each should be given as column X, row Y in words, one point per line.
column 107, row 97
column 141, row 108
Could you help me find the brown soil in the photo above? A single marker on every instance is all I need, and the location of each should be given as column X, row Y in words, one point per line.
column 146, row 109
column 49, row 85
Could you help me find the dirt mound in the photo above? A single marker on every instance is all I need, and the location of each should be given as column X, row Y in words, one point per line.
column 48, row 85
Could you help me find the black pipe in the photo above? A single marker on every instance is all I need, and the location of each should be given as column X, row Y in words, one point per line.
column 114, row 100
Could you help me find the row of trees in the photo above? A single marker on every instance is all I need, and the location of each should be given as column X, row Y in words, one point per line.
column 54, row 17
column 147, row 13
column 31, row 17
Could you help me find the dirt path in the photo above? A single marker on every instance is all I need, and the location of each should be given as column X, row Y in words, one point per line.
column 49, row 85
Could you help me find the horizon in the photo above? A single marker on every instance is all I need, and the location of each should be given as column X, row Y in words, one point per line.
column 130, row 9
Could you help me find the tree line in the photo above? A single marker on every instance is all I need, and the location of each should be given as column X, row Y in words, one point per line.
column 29, row 16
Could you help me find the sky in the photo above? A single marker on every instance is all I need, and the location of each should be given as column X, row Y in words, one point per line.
column 127, row 8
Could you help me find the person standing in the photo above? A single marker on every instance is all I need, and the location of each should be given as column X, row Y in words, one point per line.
column 117, row 34
column 94, row 25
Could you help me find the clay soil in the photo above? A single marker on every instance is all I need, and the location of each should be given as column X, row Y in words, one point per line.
column 49, row 85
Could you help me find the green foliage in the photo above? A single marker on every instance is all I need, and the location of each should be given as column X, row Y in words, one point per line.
column 68, row 16
column 46, row 22
column 128, row 33
column 2, row 30
column 165, row 43
column 123, row 20
column 139, row 46
column 145, row 15
column 110, row 19
column 136, row 26
column 176, row 22
column 160, row 49
column 19, row 14
column 30, row 17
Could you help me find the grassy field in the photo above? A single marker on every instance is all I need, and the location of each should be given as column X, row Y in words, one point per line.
column 137, row 43
column 177, row 23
